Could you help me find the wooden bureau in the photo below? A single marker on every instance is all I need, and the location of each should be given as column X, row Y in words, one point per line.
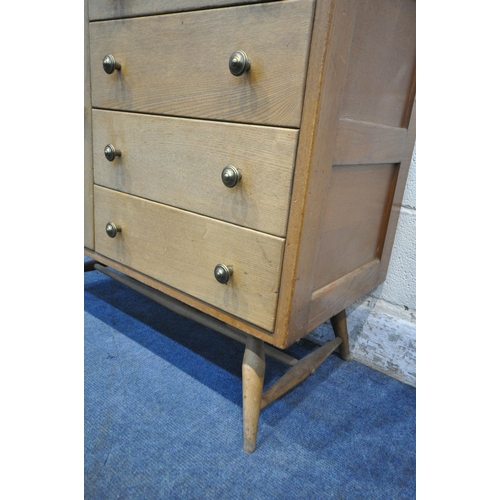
column 245, row 162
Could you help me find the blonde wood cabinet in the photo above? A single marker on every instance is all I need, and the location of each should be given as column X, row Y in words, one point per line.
column 265, row 145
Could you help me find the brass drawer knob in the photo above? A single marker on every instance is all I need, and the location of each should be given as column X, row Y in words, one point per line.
column 230, row 176
column 112, row 229
column 239, row 63
column 110, row 152
column 109, row 64
column 222, row 273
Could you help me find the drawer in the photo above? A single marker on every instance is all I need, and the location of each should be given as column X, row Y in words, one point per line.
column 178, row 64
column 179, row 162
column 181, row 249
column 114, row 9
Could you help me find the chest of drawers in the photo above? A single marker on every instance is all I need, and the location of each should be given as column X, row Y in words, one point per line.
column 247, row 159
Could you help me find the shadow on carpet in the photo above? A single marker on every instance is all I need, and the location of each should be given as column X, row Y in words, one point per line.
column 163, row 415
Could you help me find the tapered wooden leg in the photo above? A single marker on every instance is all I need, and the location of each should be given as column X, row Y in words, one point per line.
column 339, row 324
column 253, row 369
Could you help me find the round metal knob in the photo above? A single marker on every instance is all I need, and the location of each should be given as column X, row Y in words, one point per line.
column 230, row 176
column 239, row 63
column 112, row 229
column 110, row 152
column 222, row 273
column 109, row 64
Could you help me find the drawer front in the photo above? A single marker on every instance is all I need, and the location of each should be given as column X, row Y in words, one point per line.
column 182, row 249
column 178, row 64
column 179, row 162
column 114, row 9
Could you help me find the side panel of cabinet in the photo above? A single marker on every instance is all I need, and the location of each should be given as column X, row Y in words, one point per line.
column 373, row 144
column 352, row 160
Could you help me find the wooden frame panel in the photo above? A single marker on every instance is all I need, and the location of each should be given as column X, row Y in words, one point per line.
column 381, row 73
column 328, row 137
column 355, row 218
column 336, row 296
column 360, row 143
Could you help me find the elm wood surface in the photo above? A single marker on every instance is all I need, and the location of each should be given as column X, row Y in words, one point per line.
column 182, row 249
column 114, row 9
column 360, row 143
column 356, row 207
column 380, row 80
column 202, row 306
column 299, row 372
column 177, row 64
column 252, row 371
column 343, row 292
column 339, row 325
column 179, row 162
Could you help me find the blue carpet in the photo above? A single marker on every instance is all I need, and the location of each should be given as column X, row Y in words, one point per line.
column 163, row 415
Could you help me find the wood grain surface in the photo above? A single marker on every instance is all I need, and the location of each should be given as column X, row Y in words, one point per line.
column 201, row 305
column 182, row 249
column 381, row 73
column 179, row 162
column 177, row 64
column 353, row 228
column 113, row 9
column 360, row 143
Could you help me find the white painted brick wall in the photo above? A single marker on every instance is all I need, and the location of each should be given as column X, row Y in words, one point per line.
column 382, row 325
